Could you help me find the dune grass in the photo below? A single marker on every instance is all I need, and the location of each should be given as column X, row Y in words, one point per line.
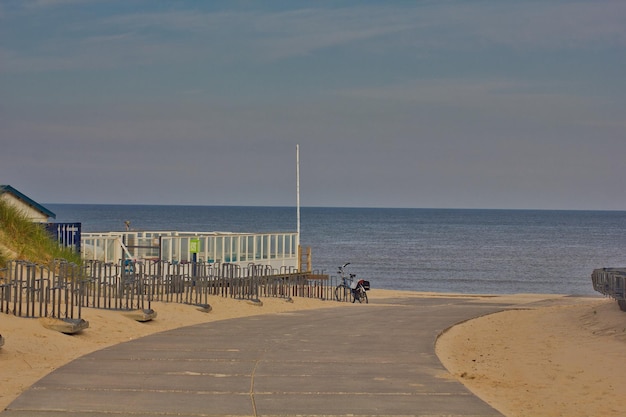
column 22, row 239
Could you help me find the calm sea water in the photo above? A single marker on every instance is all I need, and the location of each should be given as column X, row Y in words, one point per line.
column 470, row 251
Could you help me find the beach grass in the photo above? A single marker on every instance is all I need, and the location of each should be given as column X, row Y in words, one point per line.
column 22, row 239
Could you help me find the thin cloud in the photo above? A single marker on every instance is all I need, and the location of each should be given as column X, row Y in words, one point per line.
column 46, row 4
column 467, row 92
column 232, row 37
column 531, row 25
column 118, row 37
column 401, row 93
column 273, row 34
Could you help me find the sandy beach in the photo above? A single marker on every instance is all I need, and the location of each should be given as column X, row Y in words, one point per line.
column 561, row 360
column 551, row 360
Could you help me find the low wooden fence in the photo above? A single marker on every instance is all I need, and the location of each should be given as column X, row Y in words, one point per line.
column 31, row 290
column 61, row 290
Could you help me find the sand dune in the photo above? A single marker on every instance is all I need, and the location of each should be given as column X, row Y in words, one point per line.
column 564, row 360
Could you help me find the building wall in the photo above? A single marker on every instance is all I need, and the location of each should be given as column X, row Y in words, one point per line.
column 28, row 211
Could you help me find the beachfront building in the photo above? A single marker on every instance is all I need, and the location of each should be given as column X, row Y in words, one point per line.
column 66, row 234
column 30, row 208
column 277, row 250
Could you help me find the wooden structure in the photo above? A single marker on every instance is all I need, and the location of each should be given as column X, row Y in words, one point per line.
column 30, row 208
column 612, row 283
column 277, row 250
column 61, row 290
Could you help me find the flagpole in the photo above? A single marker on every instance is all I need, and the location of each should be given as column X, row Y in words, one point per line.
column 298, row 196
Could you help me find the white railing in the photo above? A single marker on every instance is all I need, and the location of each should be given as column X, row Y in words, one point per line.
column 274, row 249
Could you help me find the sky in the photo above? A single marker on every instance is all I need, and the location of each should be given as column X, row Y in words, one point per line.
column 426, row 104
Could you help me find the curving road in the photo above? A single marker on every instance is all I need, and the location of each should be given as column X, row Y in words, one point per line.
column 363, row 360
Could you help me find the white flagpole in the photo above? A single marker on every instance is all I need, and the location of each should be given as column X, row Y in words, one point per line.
column 298, row 194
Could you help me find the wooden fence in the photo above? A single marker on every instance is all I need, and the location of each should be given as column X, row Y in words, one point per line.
column 61, row 290
column 31, row 290
column 612, row 283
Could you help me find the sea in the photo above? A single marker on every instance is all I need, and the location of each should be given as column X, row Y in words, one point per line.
column 471, row 251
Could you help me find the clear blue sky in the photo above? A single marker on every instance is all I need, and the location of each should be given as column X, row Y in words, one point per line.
column 470, row 104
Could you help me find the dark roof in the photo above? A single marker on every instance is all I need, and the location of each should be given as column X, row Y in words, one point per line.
column 32, row 203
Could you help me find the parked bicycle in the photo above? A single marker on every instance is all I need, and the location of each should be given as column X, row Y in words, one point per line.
column 350, row 288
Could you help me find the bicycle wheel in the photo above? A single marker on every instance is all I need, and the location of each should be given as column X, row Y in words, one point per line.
column 341, row 292
column 359, row 294
column 338, row 293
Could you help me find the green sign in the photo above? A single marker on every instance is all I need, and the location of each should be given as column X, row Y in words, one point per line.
column 194, row 245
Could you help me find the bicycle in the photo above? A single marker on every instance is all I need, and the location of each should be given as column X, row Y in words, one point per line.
column 349, row 290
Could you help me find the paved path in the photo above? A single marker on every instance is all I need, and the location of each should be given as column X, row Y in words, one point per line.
column 362, row 360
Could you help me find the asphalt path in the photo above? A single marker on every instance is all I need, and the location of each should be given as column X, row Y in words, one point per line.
column 359, row 360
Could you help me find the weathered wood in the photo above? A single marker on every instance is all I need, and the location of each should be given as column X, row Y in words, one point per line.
column 612, row 283
column 67, row 326
column 29, row 290
column 205, row 308
column 141, row 315
column 316, row 277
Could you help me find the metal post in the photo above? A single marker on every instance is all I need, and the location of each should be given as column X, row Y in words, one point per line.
column 298, row 199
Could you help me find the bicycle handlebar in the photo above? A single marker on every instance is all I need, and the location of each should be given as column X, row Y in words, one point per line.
column 342, row 272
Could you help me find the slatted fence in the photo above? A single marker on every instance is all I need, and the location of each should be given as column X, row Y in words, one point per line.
column 31, row 290
column 62, row 289
column 610, row 282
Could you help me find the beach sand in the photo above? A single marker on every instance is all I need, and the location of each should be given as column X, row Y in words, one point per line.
column 561, row 360
column 551, row 360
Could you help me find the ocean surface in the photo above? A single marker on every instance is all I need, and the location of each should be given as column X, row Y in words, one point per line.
column 441, row 250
